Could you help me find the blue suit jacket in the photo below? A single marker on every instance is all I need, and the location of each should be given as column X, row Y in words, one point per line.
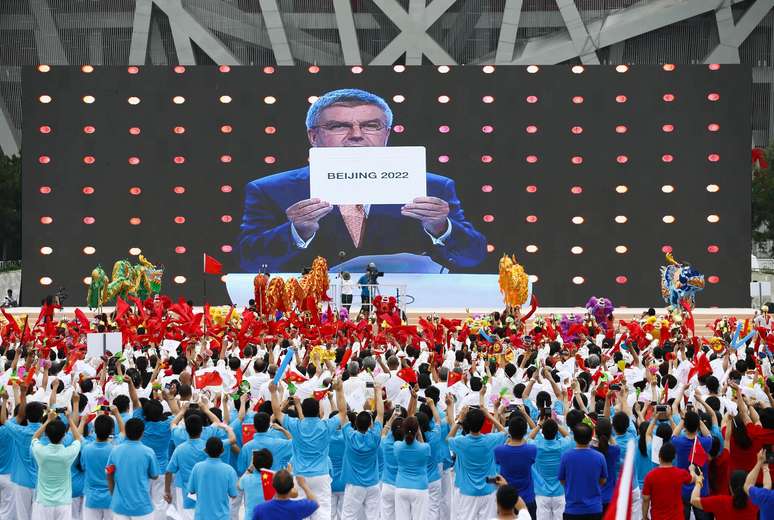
column 265, row 236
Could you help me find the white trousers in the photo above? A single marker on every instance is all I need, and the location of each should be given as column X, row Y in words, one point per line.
column 320, row 487
column 552, row 508
column 388, row 502
column 6, row 498
column 157, row 499
column 77, row 507
column 359, row 500
column 636, row 502
column 447, row 483
column 475, row 508
column 183, row 514
column 41, row 512
column 434, row 493
column 236, row 503
column 22, row 501
column 410, row 504
column 149, row 516
column 337, row 505
column 97, row 514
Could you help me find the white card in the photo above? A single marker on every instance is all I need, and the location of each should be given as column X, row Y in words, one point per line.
column 98, row 343
column 368, row 174
column 655, row 448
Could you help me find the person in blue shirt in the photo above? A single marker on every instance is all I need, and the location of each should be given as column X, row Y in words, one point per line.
column 336, row 458
column 550, row 441
column 311, row 444
column 516, row 458
column 6, row 488
column 250, row 483
column 285, row 505
column 393, row 432
column 183, row 459
column 213, row 482
column 361, row 460
column 475, row 458
column 94, row 458
column 583, row 472
column 612, row 453
column 762, row 498
column 695, row 432
column 130, row 469
column 281, row 449
column 434, row 433
column 412, row 456
column 24, row 472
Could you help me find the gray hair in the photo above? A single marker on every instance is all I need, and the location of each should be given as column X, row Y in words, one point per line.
column 443, row 373
column 369, row 363
column 353, row 367
column 346, row 95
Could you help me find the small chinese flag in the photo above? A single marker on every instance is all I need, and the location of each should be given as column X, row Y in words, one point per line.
column 294, row 377
column 212, row 266
column 408, row 375
column 267, row 482
column 454, row 377
column 248, row 432
column 698, row 455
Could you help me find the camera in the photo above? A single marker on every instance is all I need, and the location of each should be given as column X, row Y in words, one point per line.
column 61, row 294
column 104, row 408
column 421, row 399
column 369, row 384
column 545, row 411
column 615, row 387
column 60, row 410
column 491, row 480
column 662, row 408
column 373, row 273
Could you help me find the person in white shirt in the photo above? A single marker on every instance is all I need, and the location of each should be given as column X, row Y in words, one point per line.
column 509, row 504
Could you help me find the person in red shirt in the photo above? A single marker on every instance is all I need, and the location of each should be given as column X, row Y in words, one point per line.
column 736, row 506
column 720, row 466
column 662, row 492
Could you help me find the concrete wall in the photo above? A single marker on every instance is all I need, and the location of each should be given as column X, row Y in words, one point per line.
column 10, row 280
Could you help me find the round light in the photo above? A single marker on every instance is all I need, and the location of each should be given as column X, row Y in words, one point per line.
column 226, row 188
column 179, row 69
column 443, row 69
column 224, row 68
column 89, row 129
column 713, row 127
column 713, row 96
column 46, row 220
column 399, row 68
column 577, row 280
column 714, row 66
column 179, row 220
column 134, row 251
column 45, row 129
column 532, row 248
column 135, row 190
column 134, row 130
column 226, row 218
column 270, row 130
column 576, row 250
column 443, row 99
column 89, row 250
column 268, row 70
column 269, row 100
column 621, row 249
column 178, row 159
column 488, row 218
column 46, row 250
column 621, row 219
column 487, row 188
column 133, row 70
column 667, row 158
column 88, row 99
column 399, row 98
column 89, row 159
column 226, row 248
column 444, row 129
column 133, row 100
column 44, row 159
column 43, row 68
column 531, row 188
column 443, row 158
column 713, row 279
column 134, row 161
column 576, row 130
column 577, row 69
column 621, row 279
column 488, row 69
column 226, row 129
column 313, row 69
column 713, row 218
column 669, row 67
column 490, row 248
column 531, row 219
column 87, row 280
column 577, row 100
column 713, row 249
column 713, row 157
column 577, row 220
column 46, row 281
column 89, row 220
column 620, row 98
column 179, row 189
column 357, row 70
column 179, row 279
column 668, row 97
column 668, row 219
column 45, row 98
column 487, row 129
column 576, row 190
column 668, row 128
column 621, row 68
column 532, row 99
column 622, row 159
column 269, row 159
column 135, row 221
column 225, row 158
column 178, row 100
column 533, row 69
column 179, row 250
column 88, row 190
column 621, row 129
column 532, row 159
column 713, row 188
column 179, row 130
column 577, row 159
column 666, row 249
column 45, row 190
column 531, row 129
column 486, row 159
column 621, row 188
column 312, row 99
column 398, row 129
column 667, row 188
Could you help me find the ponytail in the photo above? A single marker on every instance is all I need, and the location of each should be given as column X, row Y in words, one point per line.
column 604, row 430
column 736, row 485
column 410, row 427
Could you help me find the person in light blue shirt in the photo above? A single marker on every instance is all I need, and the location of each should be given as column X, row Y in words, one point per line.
column 183, row 459
column 6, row 463
column 213, row 482
column 24, row 472
column 551, row 441
column 94, row 460
column 336, row 458
column 130, row 468
column 281, row 449
column 361, row 459
column 434, row 433
column 475, row 458
column 411, row 482
column 393, row 432
column 250, row 483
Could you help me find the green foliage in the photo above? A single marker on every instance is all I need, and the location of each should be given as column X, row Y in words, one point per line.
column 10, row 207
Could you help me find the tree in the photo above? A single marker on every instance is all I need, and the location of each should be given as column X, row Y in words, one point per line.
column 10, row 207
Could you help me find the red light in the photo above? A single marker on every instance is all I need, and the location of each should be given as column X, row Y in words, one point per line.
column 577, row 159
column 668, row 128
column 226, row 188
column 487, row 129
column 669, row 67
column 443, row 158
column 713, row 157
column 668, row 97
column 179, row 190
column 179, row 220
column 134, row 161
column 178, row 159
column 532, row 99
column 713, row 248
column 89, row 129
column 225, row 158
column 622, row 159
column 713, row 127
column 531, row 129
column 576, row 190
column 621, row 98
column 621, row 279
column 45, row 190
column 666, row 249
column 270, row 130
column 488, row 218
column 45, row 129
column 713, row 279
column 224, row 68
column 532, row 188
column 44, row 159
column 89, row 220
column 444, row 129
column 135, row 221
column 135, row 130
column 89, row 159
column 577, row 100
column 226, row 219
column 135, row 190
column 179, row 69
column 88, row 190
column 268, row 70
column 667, row 158
column 714, row 66
column 621, row 129
column 46, row 220
column 532, row 219
column 532, row 159
column 713, row 96
column 576, row 130
column 133, row 70
column 226, row 248
column 486, row 159
column 269, row 159
column 180, row 250
column 226, row 129
column 490, row 248
column 179, row 130
column 314, row 69
column 487, row 188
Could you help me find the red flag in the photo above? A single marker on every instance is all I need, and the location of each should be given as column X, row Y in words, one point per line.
column 248, row 432
column 320, row 394
column 620, row 507
column 121, row 307
column 11, row 322
column 454, row 377
column 698, row 455
column 291, row 376
column 211, row 378
column 267, row 482
column 83, row 321
column 408, row 375
column 212, row 266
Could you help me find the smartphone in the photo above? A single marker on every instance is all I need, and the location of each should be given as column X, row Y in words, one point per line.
column 491, row 480
column 662, row 408
column 615, row 387
column 369, row 384
column 545, row 411
column 60, row 410
column 421, row 399
column 105, row 408
column 769, row 454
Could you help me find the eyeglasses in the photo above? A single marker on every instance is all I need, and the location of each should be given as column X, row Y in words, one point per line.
column 340, row 128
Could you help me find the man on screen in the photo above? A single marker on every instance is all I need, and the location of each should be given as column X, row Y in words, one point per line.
column 285, row 229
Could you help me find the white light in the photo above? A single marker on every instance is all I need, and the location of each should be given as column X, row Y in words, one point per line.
column 225, row 99
column 667, row 188
column 577, row 280
column 577, row 220
column 668, row 219
column 46, row 281
column 621, row 249
column 621, row 219
column 179, row 279
column 576, row 250
column 531, row 248
column 135, row 251
column 713, row 218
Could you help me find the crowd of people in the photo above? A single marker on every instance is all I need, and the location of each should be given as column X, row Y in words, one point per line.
column 220, row 414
